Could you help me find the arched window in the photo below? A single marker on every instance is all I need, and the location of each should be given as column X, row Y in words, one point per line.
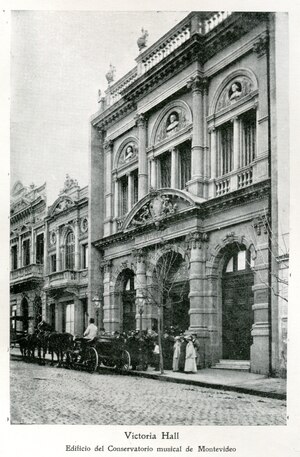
column 70, row 251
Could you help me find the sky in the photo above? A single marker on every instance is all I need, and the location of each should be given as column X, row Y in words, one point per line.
column 58, row 62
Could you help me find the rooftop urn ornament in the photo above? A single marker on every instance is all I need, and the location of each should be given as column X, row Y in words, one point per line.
column 142, row 40
column 110, row 75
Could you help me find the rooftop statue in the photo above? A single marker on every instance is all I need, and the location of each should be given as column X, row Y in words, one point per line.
column 142, row 41
column 110, row 75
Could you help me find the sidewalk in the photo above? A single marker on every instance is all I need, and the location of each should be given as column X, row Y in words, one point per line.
column 238, row 381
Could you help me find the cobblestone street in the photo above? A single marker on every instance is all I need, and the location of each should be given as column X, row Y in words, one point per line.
column 47, row 395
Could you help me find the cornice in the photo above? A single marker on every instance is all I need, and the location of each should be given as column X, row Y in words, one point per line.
column 198, row 47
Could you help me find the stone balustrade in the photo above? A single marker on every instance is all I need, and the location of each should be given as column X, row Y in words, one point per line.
column 245, row 178
column 201, row 23
column 27, row 272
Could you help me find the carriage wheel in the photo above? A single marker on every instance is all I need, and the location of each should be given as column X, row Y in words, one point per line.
column 125, row 361
column 91, row 360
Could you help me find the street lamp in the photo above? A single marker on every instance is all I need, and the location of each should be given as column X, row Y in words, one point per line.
column 140, row 304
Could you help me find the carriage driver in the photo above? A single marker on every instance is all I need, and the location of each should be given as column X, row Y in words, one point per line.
column 91, row 331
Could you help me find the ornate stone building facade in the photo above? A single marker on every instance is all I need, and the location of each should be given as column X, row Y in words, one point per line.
column 27, row 248
column 49, row 258
column 184, row 159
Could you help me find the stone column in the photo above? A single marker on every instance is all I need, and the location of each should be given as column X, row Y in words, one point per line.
column 143, row 166
column 174, row 168
column 77, row 245
column 196, row 185
column 78, row 316
column 116, row 203
column 109, row 312
column 213, row 162
column 260, row 356
column 46, row 257
column 200, row 311
column 59, row 310
column 153, row 173
column 130, row 191
column 32, row 243
column 58, row 259
column 236, row 152
column 19, row 251
column 141, row 290
column 108, row 154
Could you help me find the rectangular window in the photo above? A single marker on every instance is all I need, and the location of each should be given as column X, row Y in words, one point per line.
column 185, row 167
column 53, row 263
column 135, row 186
column 14, row 257
column 13, row 317
column 69, row 318
column 225, row 148
column 40, row 249
column 248, row 140
column 26, row 252
column 124, row 195
column 85, row 256
column 165, row 170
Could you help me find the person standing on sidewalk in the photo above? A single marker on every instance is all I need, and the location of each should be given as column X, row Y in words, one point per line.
column 181, row 362
column 190, row 357
column 176, row 353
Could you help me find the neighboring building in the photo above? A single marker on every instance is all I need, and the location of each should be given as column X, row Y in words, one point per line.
column 49, row 257
column 188, row 155
column 66, row 273
column 27, row 238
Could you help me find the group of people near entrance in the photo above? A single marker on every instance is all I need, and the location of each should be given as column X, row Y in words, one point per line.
column 181, row 352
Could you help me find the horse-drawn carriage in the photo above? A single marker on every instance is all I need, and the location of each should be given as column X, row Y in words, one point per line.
column 107, row 350
column 116, row 351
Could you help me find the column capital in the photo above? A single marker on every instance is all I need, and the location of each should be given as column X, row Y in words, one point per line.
column 106, row 266
column 196, row 239
column 211, row 129
column 198, row 84
column 139, row 255
column 140, row 120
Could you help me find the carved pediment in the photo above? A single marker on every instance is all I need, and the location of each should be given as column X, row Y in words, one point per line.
column 62, row 204
column 156, row 207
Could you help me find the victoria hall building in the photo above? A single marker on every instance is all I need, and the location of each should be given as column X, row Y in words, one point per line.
column 189, row 165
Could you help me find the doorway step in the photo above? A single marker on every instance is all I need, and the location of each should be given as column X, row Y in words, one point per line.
column 239, row 365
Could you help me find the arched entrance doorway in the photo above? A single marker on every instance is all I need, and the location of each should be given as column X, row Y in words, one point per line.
column 128, row 301
column 171, row 280
column 237, row 301
column 25, row 317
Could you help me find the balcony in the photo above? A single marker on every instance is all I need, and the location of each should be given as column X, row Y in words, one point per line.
column 32, row 272
column 66, row 278
column 233, row 181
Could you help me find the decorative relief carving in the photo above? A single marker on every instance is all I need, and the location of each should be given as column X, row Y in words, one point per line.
column 62, row 205
column 53, row 238
column 84, row 225
column 138, row 255
column 69, row 184
column 196, row 239
column 261, row 224
column 128, row 153
column 106, row 266
column 261, row 45
column 174, row 121
column 239, row 87
column 155, row 210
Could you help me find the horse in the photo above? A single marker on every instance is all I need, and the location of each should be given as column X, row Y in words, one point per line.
column 59, row 343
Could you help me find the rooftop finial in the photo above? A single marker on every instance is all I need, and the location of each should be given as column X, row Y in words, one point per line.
column 142, row 41
column 110, row 75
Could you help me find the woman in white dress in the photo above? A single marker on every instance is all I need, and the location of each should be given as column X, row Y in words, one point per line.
column 190, row 357
column 176, row 353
